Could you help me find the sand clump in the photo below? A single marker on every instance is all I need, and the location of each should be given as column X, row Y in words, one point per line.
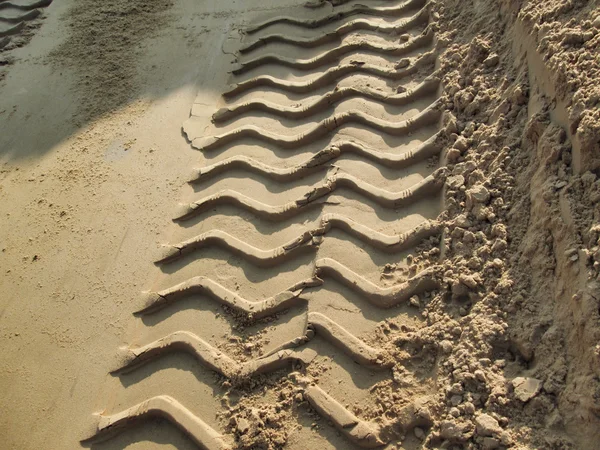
column 568, row 38
column 508, row 362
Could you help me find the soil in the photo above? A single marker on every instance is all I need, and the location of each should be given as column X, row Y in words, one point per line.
column 278, row 225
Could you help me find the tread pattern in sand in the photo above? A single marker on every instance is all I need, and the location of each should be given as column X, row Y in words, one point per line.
column 353, row 10
column 328, row 141
column 333, row 36
column 14, row 14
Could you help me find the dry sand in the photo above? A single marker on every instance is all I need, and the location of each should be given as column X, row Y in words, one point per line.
column 386, row 234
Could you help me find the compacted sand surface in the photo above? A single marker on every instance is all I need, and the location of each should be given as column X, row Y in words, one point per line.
column 285, row 225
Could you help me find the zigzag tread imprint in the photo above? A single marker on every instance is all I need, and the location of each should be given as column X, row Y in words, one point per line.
column 295, row 355
column 14, row 16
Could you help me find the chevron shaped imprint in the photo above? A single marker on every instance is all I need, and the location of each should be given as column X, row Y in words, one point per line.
column 163, row 406
column 155, row 301
column 315, row 163
column 405, row 68
column 23, row 5
column 320, row 3
column 333, row 55
column 307, row 239
column 428, row 116
column 389, row 243
column 355, row 348
column 12, row 30
column 16, row 14
column 255, row 255
column 427, row 87
column 366, row 434
column 362, row 433
column 211, row 357
column 431, row 147
column 355, row 25
column 8, row 16
column 215, row 360
column 393, row 200
column 376, row 11
column 386, row 297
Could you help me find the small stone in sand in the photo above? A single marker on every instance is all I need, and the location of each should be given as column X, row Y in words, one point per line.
column 526, row 388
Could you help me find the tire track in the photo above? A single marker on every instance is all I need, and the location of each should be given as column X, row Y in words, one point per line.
column 317, row 325
column 320, row 3
column 339, row 336
column 295, row 355
column 387, row 199
column 211, row 357
column 360, row 432
column 431, row 115
column 333, row 55
column 355, row 25
column 255, row 255
column 166, row 407
column 386, row 297
column 307, row 240
column 427, row 87
column 382, row 11
column 320, row 161
column 14, row 16
column 155, row 301
column 24, row 5
column 404, row 68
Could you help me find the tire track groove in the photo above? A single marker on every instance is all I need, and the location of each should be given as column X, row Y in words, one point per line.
column 429, row 116
column 430, row 184
column 387, row 297
column 355, row 25
column 16, row 15
column 382, row 11
column 404, row 68
column 333, row 55
column 427, row 149
column 211, row 357
column 154, row 301
column 295, row 354
column 427, row 87
column 164, row 406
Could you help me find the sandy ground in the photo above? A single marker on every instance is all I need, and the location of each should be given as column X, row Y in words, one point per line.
column 465, row 313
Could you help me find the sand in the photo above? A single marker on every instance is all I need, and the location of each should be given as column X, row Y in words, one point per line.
column 283, row 226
